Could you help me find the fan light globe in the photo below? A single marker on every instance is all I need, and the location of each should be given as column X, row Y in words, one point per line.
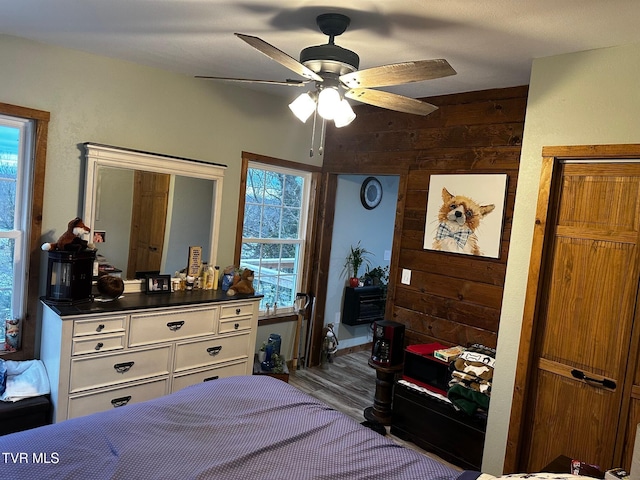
column 328, row 103
column 303, row 106
column 344, row 114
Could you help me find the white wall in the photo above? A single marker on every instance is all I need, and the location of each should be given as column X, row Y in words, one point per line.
column 102, row 100
column 584, row 98
column 353, row 223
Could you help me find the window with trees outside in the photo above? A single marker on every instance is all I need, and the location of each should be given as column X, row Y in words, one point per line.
column 16, row 151
column 276, row 204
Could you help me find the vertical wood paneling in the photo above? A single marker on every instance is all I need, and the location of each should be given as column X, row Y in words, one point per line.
column 593, row 249
column 453, row 299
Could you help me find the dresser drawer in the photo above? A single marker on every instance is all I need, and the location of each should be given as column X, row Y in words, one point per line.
column 211, row 351
column 236, row 310
column 186, row 379
column 81, row 405
column 106, row 370
column 162, row 327
column 99, row 326
column 102, row 343
column 235, row 324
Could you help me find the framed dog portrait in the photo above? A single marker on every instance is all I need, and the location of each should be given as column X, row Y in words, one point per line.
column 465, row 214
column 158, row 284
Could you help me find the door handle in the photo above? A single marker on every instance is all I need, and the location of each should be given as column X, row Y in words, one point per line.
column 605, row 382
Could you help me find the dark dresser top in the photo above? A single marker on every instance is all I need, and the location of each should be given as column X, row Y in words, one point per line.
column 141, row 301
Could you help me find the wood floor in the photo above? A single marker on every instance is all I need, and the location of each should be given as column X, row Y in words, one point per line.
column 348, row 385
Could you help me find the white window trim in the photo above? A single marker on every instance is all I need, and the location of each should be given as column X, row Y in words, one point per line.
column 304, row 217
column 22, row 220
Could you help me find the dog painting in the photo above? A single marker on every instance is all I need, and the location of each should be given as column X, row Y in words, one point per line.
column 456, row 222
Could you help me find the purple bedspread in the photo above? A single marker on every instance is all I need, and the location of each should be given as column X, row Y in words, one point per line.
column 245, row 428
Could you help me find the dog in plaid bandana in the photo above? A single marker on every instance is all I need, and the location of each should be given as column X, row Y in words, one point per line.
column 459, row 218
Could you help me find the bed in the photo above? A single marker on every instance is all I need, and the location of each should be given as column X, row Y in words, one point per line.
column 247, row 427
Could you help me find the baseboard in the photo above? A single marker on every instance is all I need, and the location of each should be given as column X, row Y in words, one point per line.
column 354, row 349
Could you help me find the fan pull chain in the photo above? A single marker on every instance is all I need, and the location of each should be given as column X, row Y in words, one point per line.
column 321, row 147
column 313, row 132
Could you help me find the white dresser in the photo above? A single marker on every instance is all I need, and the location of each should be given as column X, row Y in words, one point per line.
column 103, row 356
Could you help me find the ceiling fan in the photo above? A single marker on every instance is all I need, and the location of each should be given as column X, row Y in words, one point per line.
column 334, row 70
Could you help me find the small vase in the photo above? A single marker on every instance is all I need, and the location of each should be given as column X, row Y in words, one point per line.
column 354, row 282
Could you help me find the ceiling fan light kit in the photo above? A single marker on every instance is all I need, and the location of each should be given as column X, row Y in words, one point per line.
column 344, row 114
column 334, row 70
column 303, row 106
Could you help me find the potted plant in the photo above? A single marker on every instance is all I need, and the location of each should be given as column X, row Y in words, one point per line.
column 378, row 276
column 357, row 256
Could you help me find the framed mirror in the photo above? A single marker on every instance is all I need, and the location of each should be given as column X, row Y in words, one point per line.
column 145, row 210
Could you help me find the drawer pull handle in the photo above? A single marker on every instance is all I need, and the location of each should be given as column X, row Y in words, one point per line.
column 213, row 351
column 605, row 382
column 236, row 326
column 120, row 402
column 175, row 326
column 99, row 345
column 211, row 378
column 238, row 311
column 123, row 367
column 100, row 327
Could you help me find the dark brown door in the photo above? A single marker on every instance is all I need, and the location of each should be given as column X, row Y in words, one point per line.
column 150, row 198
column 586, row 309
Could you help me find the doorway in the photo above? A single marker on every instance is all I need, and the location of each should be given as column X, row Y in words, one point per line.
column 353, row 223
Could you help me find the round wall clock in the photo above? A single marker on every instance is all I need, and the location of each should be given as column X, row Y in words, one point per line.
column 371, row 193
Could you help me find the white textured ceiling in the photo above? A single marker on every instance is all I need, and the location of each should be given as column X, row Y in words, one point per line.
column 490, row 43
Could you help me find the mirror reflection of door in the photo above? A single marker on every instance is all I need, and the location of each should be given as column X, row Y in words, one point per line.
column 149, row 212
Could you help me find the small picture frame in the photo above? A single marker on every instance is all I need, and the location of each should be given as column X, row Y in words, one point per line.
column 99, row 236
column 157, row 284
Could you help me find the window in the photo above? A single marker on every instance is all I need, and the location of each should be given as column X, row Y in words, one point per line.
column 16, row 152
column 276, row 204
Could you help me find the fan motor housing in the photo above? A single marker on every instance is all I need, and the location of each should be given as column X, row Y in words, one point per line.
column 330, row 58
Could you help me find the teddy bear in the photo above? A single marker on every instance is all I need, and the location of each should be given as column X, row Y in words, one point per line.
column 244, row 285
column 71, row 240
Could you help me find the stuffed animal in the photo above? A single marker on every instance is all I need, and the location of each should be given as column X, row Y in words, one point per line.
column 12, row 335
column 71, row 240
column 244, row 285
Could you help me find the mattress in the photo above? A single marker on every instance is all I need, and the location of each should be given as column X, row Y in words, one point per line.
column 246, row 427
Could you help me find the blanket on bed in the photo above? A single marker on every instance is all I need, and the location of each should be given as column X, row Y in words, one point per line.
column 248, row 427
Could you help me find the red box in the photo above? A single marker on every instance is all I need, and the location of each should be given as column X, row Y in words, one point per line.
column 425, row 370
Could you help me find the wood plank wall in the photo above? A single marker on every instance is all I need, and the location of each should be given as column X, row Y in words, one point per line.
column 453, row 299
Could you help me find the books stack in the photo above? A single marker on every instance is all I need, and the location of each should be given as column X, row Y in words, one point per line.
column 448, row 354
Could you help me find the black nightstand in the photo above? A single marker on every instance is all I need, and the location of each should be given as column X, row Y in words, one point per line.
column 24, row 414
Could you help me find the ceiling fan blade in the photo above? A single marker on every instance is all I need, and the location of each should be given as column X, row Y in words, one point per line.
column 390, row 101
column 288, row 82
column 398, row 74
column 280, row 57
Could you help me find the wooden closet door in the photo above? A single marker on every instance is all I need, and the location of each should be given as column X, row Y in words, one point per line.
column 585, row 318
column 148, row 220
